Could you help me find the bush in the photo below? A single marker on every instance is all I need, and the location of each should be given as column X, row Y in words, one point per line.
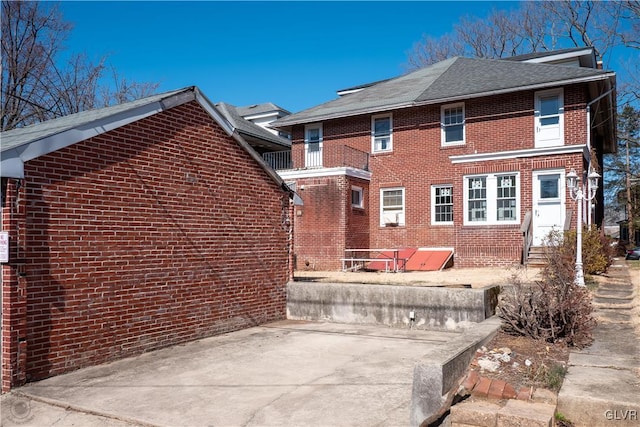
column 596, row 251
column 553, row 308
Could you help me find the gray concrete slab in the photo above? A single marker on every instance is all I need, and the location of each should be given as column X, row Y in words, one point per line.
column 284, row 373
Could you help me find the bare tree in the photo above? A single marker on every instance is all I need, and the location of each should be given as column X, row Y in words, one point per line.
column 36, row 84
column 534, row 27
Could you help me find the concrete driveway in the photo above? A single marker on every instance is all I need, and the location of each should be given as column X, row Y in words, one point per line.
column 288, row 373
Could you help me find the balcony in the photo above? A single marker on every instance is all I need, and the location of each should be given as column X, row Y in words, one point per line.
column 320, row 157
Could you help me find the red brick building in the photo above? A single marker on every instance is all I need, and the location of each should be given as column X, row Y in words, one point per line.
column 468, row 154
column 132, row 228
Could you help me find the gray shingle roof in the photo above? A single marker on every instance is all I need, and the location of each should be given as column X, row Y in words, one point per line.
column 17, row 137
column 232, row 114
column 447, row 81
column 259, row 109
column 21, row 145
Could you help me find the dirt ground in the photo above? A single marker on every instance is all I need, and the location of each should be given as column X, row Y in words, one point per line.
column 476, row 277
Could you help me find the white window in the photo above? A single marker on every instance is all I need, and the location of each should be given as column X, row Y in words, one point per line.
column 357, row 200
column 492, row 199
column 381, row 134
column 313, row 145
column 452, row 124
column 549, row 118
column 441, row 204
column 392, row 206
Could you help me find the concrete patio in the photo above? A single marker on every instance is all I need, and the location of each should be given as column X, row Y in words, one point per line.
column 288, row 373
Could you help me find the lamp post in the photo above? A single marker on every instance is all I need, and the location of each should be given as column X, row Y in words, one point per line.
column 577, row 194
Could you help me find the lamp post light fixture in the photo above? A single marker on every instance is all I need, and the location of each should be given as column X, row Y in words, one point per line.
column 576, row 192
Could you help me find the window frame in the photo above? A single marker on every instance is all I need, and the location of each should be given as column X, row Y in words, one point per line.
column 359, row 190
column 402, row 213
column 491, row 198
column 443, row 126
column 374, row 136
column 434, row 204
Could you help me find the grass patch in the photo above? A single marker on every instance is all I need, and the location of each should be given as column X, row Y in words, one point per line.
column 555, row 375
column 562, row 421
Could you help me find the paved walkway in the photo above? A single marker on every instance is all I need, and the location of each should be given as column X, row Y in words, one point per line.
column 284, row 373
column 602, row 386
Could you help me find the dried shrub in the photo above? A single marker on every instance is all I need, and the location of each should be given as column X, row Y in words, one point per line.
column 554, row 308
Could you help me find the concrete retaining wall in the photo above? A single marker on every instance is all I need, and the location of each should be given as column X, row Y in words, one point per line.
column 436, row 308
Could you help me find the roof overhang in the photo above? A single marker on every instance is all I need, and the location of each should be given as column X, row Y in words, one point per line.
column 285, row 123
column 13, row 159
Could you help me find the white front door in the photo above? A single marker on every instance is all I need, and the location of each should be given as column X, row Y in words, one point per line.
column 548, row 204
column 549, row 119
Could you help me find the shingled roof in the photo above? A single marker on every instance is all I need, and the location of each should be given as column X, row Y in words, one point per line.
column 256, row 135
column 451, row 80
column 23, row 144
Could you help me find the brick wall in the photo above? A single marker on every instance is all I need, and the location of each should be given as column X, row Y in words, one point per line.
column 156, row 233
column 418, row 161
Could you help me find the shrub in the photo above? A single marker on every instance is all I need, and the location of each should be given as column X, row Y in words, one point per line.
column 553, row 308
column 596, row 251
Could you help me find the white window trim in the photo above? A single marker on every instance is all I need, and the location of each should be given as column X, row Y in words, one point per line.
column 359, row 190
column 442, row 126
column 401, row 219
column 433, row 204
column 492, row 196
column 373, row 130
column 544, row 93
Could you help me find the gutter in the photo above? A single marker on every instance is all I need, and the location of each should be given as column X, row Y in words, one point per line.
column 414, row 103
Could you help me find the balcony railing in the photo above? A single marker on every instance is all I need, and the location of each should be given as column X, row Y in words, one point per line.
column 279, row 160
column 325, row 157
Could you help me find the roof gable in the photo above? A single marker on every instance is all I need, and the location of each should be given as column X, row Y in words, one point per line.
column 23, row 144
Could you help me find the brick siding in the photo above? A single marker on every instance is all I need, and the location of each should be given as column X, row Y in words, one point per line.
column 153, row 234
column 418, row 161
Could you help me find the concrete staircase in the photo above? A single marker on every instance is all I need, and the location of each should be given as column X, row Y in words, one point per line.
column 602, row 387
column 537, row 256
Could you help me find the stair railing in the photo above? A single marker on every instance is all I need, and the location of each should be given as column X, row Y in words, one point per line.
column 526, row 228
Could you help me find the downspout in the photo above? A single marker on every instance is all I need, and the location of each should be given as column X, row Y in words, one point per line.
column 588, row 156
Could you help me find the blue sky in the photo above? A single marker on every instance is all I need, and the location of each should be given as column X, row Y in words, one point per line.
column 295, row 54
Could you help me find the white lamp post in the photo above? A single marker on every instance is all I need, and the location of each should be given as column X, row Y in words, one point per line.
column 575, row 190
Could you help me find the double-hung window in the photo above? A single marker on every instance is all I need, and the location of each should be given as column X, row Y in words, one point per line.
column 357, row 200
column 452, row 124
column 506, row 198
column 381, row 134
column 392, row 206
column 492, row 199
column 441, row 204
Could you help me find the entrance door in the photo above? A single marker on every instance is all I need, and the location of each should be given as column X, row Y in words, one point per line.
column 313, row 146
column 549, row 119
column 548, row 204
